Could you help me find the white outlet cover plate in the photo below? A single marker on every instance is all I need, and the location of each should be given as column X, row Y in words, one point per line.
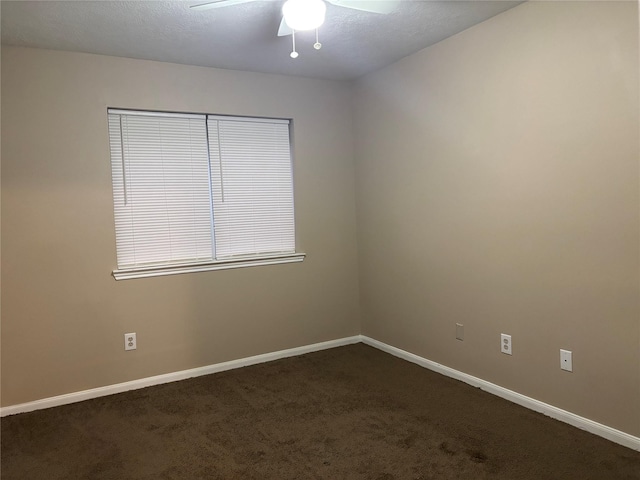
column 459, row 331
column 505, row 343
column 130, row 341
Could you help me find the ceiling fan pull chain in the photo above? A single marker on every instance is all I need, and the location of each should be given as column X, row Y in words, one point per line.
column 317, row 45
column 294, row 54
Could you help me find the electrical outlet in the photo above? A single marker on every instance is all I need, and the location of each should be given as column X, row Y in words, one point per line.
column 505, row 343
column 566, row 360
column 459, row 331
column 130, row 342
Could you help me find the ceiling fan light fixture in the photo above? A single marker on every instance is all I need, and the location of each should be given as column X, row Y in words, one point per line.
column 304, row 14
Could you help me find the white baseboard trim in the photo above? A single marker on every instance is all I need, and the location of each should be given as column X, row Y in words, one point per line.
column 582, row 423
column 172, row 377
column 596, row 428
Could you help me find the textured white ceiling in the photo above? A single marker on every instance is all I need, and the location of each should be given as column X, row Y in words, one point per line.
column 240, row 37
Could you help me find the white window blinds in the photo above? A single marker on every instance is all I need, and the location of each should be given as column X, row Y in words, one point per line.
column 252, row 187
column 160, row 183
column 188, row 193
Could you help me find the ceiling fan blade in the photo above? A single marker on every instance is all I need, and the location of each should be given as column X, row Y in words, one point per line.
column 284, row 29
column 218, row 4
column 373, row 6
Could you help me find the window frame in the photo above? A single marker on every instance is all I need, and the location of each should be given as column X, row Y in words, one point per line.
column 240, row 261
column 196, row 267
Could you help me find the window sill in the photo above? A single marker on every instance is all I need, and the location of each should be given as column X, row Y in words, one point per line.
column 158, row 271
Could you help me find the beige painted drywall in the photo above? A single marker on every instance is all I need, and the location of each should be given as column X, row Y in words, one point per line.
column 497, row 186
column 64, row 316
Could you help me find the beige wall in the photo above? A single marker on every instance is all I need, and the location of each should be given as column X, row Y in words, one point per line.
column 64, row 316
column 497, row 186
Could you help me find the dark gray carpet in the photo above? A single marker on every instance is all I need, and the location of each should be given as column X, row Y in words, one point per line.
column 347, row 413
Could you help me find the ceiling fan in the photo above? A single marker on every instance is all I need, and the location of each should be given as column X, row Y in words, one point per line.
column 300, row 15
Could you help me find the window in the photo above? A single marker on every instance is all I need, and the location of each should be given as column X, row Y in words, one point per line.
column 200, row 192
